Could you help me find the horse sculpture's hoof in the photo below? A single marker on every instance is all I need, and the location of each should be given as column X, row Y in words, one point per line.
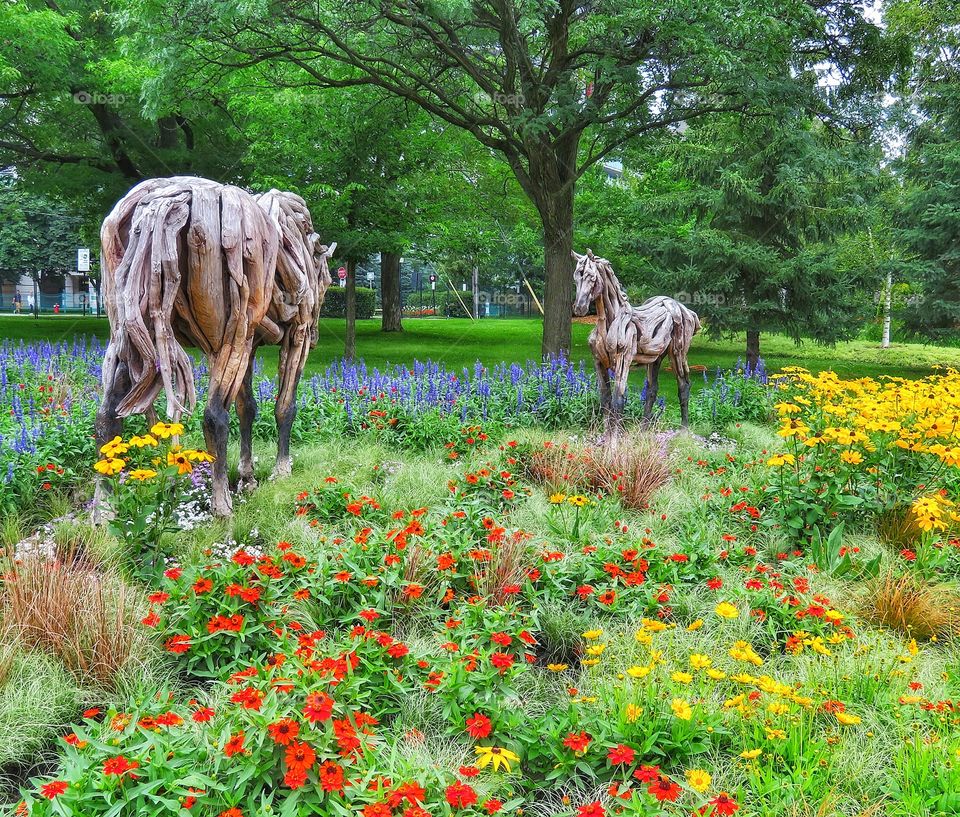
column 283, row 468
column 221, row 504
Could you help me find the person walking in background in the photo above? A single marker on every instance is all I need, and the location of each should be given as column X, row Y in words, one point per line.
column 30, row 303
column 17, row 303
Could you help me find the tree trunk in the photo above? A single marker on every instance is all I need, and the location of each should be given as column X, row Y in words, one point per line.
column 475, row 287
column 557, row 214
column 753, row 349
column 887, row 307
column 390, row 299
column 350, row 341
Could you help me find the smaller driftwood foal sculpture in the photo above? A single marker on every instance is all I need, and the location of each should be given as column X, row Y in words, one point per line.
column 188, row 261
column 627, row 334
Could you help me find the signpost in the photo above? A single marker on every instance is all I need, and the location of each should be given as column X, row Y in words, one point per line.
column 83, row 260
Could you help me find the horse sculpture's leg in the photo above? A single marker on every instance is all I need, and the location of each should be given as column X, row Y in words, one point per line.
column 621, row 373
column 246, row 413
column 293, row 358
column 683, row 387
column 109, row 424
column 653, row 386
column 600, row 362
column 216, row 427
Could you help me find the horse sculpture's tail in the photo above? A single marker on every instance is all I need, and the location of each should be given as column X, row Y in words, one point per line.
column 142, row 244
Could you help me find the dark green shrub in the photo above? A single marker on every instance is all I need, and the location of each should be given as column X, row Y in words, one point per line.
column 335, row 302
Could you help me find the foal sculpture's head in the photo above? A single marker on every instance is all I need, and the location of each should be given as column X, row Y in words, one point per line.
column 589, row 283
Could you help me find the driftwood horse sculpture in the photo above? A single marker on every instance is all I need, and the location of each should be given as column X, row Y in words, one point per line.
column 627, row 334
column 188, row 261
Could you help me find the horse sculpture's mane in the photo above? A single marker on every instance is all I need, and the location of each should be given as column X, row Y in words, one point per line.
column 611, row 282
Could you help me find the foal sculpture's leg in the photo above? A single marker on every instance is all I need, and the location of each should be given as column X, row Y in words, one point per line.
column 108, row 424
column 682, row 369
column 683, row 390
column 653, row 386
column 246, row 413
column 216, row 427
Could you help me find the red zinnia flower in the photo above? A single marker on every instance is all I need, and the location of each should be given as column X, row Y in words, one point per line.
column 578, row 743
column 479, row 726
column 502, row 661
column 594, row 809
column 284, row 731
column 203, row 715
column 300, row 756
column 53, row 788
column 621, row 754
column 723, row 805
column 178, row 644
column 331, row 776
column 318, row 707
column 461, row 795
column 647, row 774
column 234, row 745
column 119, row 766
column 665, row 789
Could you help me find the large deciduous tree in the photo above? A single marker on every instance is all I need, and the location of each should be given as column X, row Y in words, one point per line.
column 554, row 86
column 72, row 120
column 38, row 235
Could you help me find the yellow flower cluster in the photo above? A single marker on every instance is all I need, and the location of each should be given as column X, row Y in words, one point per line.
column 879, row 429
column 921, row 416
column 113, row 462
column 934, row 513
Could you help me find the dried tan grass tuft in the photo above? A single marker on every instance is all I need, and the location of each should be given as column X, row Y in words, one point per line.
column 632, row 470
column 912, row 606
column 83, row 617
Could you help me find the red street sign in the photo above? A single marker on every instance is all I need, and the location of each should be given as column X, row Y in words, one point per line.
column 342, row 273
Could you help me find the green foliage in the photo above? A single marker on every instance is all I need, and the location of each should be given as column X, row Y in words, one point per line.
column 335, row 303
column 38, row 235
column 755, row 247
column 73, row 121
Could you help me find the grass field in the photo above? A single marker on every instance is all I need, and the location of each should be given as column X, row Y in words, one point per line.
column 460, row 342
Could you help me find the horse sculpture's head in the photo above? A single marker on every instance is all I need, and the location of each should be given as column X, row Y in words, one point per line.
column 321, row 258
column 589, row 283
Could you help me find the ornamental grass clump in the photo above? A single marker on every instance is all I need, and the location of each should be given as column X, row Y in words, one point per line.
column 83, row 617
column 634, row 469
column 912, row 606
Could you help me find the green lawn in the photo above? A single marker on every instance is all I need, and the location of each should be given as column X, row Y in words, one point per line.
column 460, row 342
